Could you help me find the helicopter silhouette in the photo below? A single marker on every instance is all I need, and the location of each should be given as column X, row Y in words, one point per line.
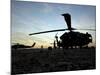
column 17, row 46
column 71, row 39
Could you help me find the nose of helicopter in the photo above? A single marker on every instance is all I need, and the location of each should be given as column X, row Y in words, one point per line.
column 89, row 36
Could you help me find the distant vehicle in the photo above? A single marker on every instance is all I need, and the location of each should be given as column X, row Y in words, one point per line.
column 70, row 39
column 17, row 45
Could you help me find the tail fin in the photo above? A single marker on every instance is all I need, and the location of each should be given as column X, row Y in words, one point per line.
column 33, row 44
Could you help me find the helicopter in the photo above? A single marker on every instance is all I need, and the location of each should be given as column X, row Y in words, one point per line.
column 71, row 39
column 17, row 46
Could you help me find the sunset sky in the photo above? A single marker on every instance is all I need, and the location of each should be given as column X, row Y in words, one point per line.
column 31, row 17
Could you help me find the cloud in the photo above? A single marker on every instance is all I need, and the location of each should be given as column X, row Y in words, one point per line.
column 47, row 8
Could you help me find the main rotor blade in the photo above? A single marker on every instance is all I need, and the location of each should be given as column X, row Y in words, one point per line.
column 67, row 18
column 48, row 31
column 88, row 29
column 60, row 30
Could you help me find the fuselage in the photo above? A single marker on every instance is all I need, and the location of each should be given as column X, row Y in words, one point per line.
column 69, row 39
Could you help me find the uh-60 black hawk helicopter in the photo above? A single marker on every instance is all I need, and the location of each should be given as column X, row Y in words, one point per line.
column 70, row 39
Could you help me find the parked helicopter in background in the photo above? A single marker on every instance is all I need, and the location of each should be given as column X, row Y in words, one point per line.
column 17, row 46
column 71, row 39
